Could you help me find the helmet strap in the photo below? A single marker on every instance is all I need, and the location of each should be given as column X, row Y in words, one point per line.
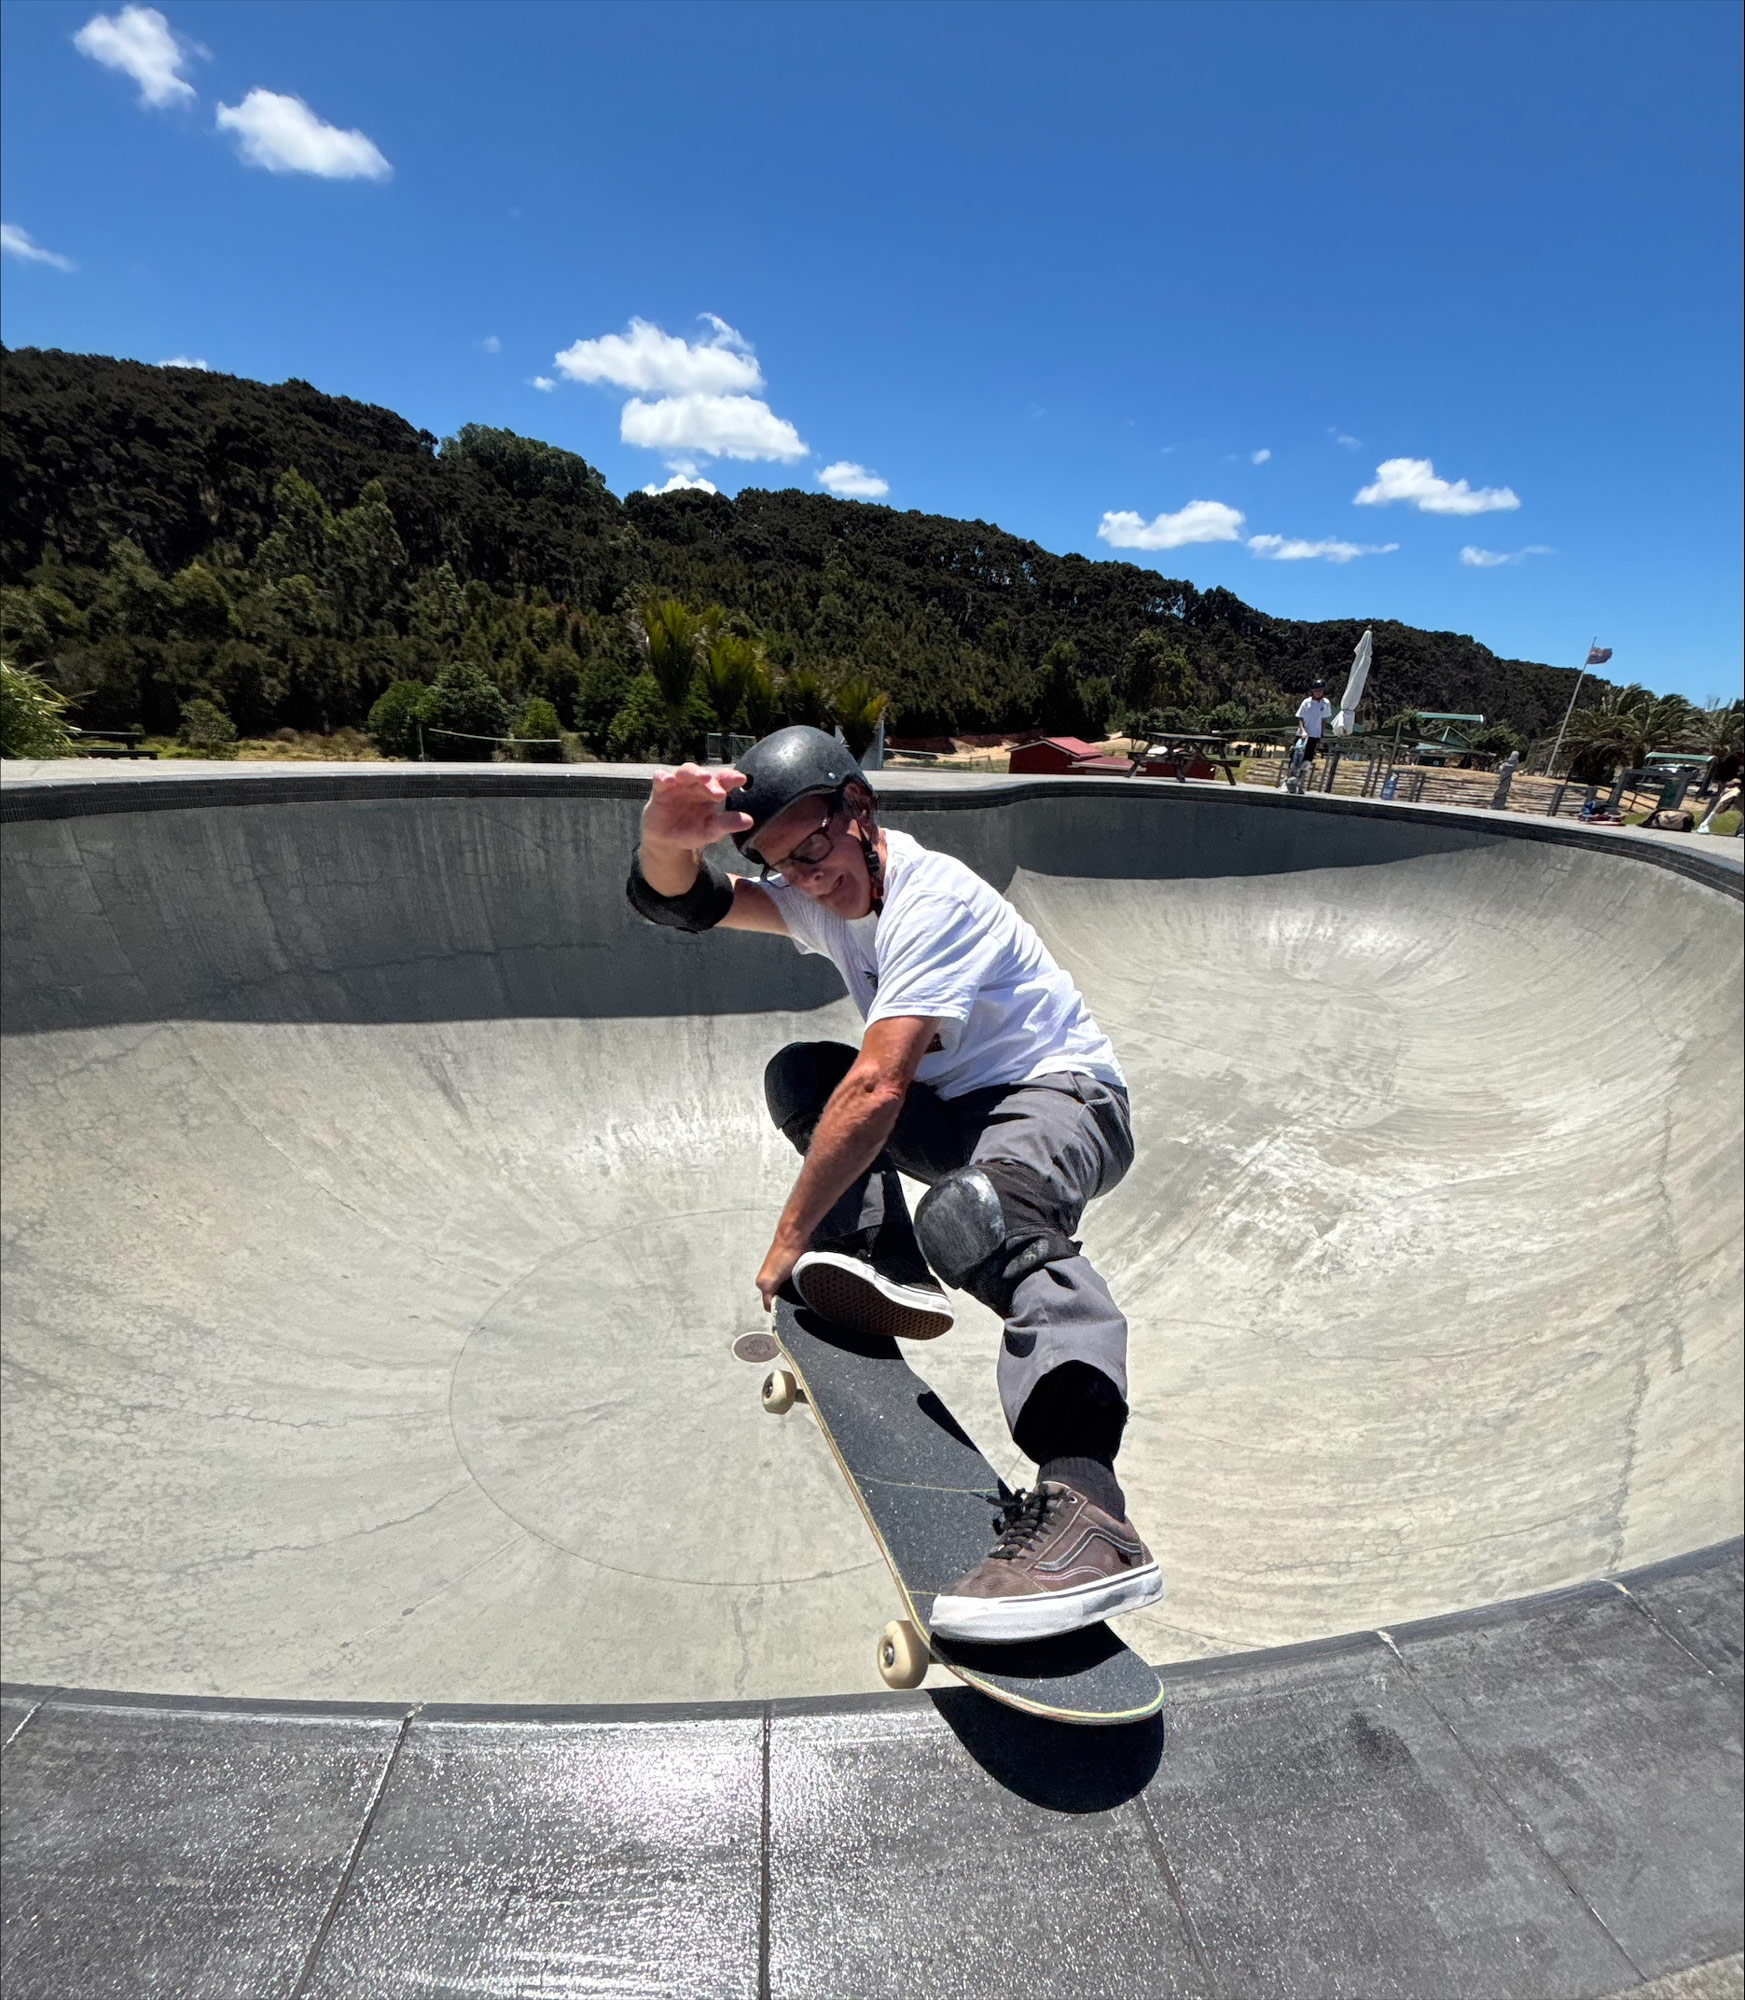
column 869, row 853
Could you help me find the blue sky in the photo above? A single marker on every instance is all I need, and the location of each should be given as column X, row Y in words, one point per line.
column 1178, row 282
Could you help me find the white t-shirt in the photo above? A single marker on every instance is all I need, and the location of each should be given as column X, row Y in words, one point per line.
column 1313, row 714
column 948, row 948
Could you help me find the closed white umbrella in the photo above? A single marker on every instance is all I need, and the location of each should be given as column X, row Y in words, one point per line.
column 1346, row 720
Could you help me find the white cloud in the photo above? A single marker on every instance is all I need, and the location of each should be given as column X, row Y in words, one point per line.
column 1414, row 481
column 18, row 242
column 719, row 426
column 138, row 40
column 186, row 361
column 1260, row 457
column 283, row 135
column 684, row 482
column 1499, row 558
column 648, row 360
column 849, row 481
column 727, row 336
column 1282, row 548
column 1198, row 521
column 491, row 344
column 1344, row 438
column 541, row 382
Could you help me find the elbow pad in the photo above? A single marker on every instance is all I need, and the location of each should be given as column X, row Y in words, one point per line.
column 700, row 908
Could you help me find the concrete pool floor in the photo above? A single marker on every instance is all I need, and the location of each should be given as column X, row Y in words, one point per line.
column 382, row 1202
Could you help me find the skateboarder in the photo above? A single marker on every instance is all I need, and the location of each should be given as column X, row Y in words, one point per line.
column 980, row 1072
column 1313, row 714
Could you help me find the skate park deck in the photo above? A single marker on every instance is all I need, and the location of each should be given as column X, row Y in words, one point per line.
column 381, row 1201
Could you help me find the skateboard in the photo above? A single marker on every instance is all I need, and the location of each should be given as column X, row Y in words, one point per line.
column 930, row 1497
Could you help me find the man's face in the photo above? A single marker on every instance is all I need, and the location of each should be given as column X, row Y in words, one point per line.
column 836, row 876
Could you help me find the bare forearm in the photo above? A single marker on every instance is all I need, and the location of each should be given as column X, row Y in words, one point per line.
column 669, row 870
column 858, row 1120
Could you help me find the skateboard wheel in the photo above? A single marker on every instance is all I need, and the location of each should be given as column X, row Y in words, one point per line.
column 779, row 1392
column 903, row 1655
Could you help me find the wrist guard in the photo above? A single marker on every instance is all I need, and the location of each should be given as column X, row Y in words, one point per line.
column 700, row 908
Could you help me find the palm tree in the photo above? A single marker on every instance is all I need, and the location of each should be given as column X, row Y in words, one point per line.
column 805, row 697
column 1718, row 730
column 1620, row 729
column 859, row 710
column 727, row 674
column 670, row 638
column 762, row 697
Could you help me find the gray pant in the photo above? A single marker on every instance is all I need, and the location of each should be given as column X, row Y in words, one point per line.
column 1072, row 1129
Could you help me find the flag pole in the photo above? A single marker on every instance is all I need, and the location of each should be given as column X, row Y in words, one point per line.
column 1551, row 761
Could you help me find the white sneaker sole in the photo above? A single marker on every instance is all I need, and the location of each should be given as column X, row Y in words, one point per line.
column 856, row 1296
column 1049, row 1613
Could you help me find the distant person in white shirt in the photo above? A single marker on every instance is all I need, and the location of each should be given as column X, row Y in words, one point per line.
column 980, row 1072
column 1312, row 718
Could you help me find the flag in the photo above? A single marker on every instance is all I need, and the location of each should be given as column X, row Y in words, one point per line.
column 1599, row 655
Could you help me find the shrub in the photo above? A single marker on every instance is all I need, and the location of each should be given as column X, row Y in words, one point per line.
column 32, row 716
column 539, row 721
column 395, row 717
column 206, row 730
column 463, row 698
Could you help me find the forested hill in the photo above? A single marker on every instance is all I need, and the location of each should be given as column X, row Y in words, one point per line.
column 171, row 534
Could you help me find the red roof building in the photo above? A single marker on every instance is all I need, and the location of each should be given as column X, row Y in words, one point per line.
column 1053, row 754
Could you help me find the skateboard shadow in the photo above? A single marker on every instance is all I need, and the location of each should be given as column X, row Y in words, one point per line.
column 1061, row 1766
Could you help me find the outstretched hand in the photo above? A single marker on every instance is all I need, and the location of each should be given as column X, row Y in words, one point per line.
column 687, row 808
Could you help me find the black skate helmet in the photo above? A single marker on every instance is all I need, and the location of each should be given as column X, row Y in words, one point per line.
column 791, row 764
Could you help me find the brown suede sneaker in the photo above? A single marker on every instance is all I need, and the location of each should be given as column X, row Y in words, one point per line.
column 1060, row 1563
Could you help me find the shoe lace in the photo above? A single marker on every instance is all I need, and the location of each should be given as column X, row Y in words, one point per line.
column 1020, row 1523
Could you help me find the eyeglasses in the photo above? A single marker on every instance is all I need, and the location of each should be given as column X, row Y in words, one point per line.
column 811, row 852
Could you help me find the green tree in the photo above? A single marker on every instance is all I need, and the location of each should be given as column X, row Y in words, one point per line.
column 725, row 678
column 1620, row 729
column 464, row 705
column 1719, row 728
column 438, row 609
column 36, row 624
column 298, row 544
column 395, row 717
column 206, row 729
column 251, row 684
column 201, row 605
column 602, row 691
column 1497, row 739
column 859, row 709
column 670, row 638
column 804, row 696
column 1155, row 673
column 366, row 560
column 133, row 599
column 538, row 721
column 762, row 697
column 32, row 716
column 641, row 724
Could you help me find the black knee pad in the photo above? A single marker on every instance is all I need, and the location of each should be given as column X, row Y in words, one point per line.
column 986, row 1228
column 798, row 1082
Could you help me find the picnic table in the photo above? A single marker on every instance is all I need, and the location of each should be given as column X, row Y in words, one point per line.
column 1177, row 752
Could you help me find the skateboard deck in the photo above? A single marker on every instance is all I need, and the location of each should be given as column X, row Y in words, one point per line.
column 930, row 1498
